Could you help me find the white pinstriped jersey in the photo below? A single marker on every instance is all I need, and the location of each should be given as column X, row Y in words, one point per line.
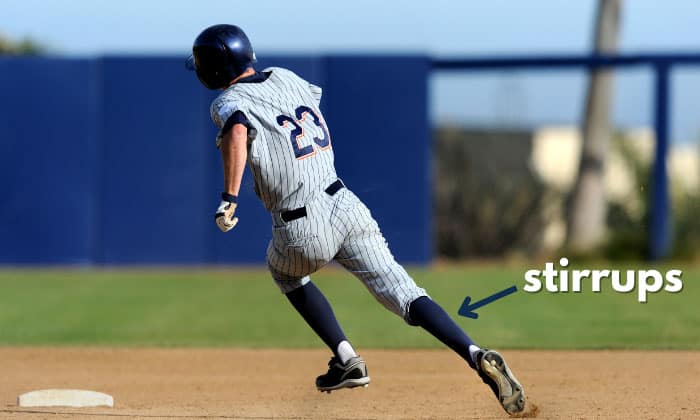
column 289, row 146
column 290, row 156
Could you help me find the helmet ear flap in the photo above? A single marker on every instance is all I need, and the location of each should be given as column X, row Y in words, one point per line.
column 211, row 62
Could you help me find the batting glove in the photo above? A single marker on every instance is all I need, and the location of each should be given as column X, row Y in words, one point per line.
column 224, row 214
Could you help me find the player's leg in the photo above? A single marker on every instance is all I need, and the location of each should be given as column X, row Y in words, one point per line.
column 489, row 364
column 290, row 266
column 369, row 259
column 366, row 254
column 314, row 308
column 427, row 314
column 346, row 369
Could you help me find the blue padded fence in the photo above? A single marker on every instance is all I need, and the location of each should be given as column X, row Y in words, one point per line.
column 112, row 160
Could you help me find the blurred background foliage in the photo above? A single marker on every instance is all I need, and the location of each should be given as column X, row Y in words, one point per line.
column 25, row 46
column 490, row 201
column 628, row 238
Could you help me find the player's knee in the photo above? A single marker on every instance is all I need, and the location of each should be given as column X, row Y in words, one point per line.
column 410, row 321
column 407, row 319
column 287, row 283
column 407, row 313
column 400, row 303
column 287, row 286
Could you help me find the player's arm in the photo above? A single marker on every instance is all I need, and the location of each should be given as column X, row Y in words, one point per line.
column 234, row 155
column 234, row 137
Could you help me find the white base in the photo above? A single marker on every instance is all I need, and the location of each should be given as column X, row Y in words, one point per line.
column 64, row 398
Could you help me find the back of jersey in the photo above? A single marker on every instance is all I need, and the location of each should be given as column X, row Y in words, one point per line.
column 289, row 151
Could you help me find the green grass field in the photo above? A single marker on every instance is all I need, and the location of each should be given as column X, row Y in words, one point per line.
column 242, row 307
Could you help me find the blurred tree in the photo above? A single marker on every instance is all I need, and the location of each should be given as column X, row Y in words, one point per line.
column 25, row 46
column 488, row 201
column 587, row 207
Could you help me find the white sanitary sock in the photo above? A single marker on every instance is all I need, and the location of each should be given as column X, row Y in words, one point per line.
column 472, row 352
column 345, row 351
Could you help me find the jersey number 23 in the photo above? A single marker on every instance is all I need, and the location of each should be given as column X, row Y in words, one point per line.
column 298, row 132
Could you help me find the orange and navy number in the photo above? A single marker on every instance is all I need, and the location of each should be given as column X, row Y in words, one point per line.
column 298, row 132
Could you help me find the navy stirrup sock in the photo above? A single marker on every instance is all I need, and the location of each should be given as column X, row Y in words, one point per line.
column 317, row 312
column 429, row 315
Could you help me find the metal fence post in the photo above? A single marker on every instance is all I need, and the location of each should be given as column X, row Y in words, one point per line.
column 660, row 220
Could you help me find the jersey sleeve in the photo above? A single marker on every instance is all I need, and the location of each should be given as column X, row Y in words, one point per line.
column 316, row 92
column 225, row 113
column 222, row 109
column 238, row 117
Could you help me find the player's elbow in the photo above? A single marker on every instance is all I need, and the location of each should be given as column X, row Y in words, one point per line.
column 239, row 131
column 236, row 137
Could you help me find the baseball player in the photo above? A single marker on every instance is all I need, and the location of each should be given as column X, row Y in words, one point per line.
column 272, row 121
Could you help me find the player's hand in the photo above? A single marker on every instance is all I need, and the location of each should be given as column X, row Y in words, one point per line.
column 224, row 214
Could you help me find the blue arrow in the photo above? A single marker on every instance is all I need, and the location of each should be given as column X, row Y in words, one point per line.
column 468, row 310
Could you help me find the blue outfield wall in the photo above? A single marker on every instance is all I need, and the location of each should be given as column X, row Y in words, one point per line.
column 112, row 160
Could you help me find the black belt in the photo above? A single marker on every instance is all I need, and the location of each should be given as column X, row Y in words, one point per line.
column 289, row 215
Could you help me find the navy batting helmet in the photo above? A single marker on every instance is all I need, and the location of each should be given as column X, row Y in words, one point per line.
column 220, row 54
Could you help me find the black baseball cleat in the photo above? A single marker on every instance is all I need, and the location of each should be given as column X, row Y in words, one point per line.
column 494, row 371
column 339, row 375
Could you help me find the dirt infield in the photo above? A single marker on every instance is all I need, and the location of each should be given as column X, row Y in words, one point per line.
column 263, row 384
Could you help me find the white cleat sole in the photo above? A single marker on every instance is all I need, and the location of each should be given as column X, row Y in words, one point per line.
column 348, row 383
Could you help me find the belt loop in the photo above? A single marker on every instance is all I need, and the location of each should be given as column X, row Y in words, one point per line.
column 334, row 187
